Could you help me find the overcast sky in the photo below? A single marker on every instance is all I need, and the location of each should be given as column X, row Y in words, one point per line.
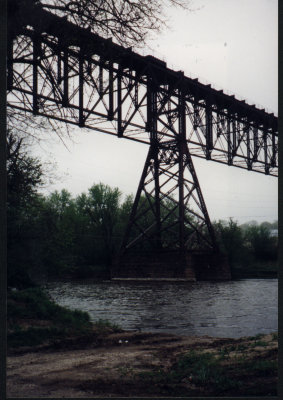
column 231, row 44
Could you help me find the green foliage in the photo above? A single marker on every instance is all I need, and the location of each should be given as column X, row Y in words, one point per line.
column 231, row 241
column 33, row 336
column 47, row 321
column 103, row 207
column 24, row 174
column 24, row 177
column 251, row 249
column 104, row 326
column 62, row 236
column 259, row 343
column 261, row 367
column 200, row 369
column 259, row 240
column 59, row 217
column 33, row 304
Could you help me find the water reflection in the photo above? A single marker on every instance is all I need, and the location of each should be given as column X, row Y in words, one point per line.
column 220, row 309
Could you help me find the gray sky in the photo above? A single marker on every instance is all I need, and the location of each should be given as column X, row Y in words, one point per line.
column 231, row 44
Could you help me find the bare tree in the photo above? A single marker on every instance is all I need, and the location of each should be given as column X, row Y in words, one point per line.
column 129, row 22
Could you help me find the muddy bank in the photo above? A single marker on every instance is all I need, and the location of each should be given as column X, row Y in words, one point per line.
column 139, row 364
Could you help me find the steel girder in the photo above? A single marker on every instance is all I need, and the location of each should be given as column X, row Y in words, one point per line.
column 58, row 70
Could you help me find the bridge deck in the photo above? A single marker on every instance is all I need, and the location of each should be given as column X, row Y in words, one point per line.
column 73, row 75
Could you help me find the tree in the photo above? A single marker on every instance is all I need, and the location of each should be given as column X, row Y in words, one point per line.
column 231, row 239
column 102, row 207
column 24, row 173
column 24, row 177
column 129, row 22
column 60, row 216
column 260, row 241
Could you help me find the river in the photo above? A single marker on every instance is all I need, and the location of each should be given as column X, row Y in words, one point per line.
column 220, row 309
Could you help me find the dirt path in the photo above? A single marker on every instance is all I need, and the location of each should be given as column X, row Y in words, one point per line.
column 125, row 365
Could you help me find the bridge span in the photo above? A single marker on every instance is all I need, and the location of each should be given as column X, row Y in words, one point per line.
column 61, row 71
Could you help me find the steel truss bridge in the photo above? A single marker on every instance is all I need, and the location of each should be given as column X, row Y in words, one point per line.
column 58, row 70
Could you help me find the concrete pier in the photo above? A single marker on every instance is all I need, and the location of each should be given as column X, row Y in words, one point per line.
column 171, row 265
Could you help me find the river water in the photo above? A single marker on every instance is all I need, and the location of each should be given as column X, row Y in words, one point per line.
column 221, row 309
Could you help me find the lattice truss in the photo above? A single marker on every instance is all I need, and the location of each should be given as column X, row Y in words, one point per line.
column 169, row 211
column 69, row 83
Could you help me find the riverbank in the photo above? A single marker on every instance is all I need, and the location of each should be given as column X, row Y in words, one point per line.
column 56, row 352
column 253, row 270
column 128, row 364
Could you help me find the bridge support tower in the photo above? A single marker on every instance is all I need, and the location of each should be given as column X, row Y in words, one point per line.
column 169, row 233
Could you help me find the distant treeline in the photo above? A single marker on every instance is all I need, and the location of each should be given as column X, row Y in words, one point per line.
column 64, row 236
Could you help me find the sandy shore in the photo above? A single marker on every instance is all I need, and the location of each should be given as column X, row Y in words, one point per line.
column 125, row 364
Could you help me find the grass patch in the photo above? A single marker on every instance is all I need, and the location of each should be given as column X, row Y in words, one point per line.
column 33, row 336
column 33, row 319
column 256, row 337
column 259, row 343
column 104, row 326
column 261, row 367
column 34, row 303
column 216, row 374
column 198, row 369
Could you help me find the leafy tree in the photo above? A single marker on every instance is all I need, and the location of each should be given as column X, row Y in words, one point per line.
column 59, row 214
column 24, row 173
column 102, row 206
column 261, row 243
column 270, row 225
column 24, row 177
column 231, row 239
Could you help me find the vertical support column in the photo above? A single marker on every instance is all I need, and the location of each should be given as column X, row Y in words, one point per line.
column 229, row 141
column 157, row 197
column 136, row 202
column 255, row 132
column 266, row 161
column 219, row 121
column 119, row 102
column 136, row 96
column 208, row 127
column 249, row 160
column 111, row 100
column 152, row 128
column 36, row 55
column 65, row 99
column 273, row 160
column 182, row 146
column 81, row 89
column 203, row 208
column 149, row 106
column 195, row 125
column 234, row 135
